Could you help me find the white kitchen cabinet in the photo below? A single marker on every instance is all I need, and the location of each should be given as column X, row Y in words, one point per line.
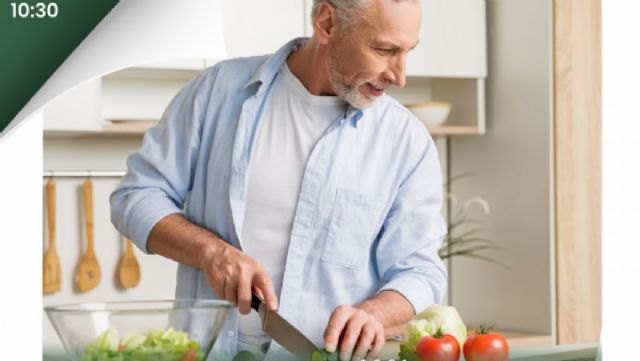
column 138, row 99
column 465, row 95
column 448, row 65
column 177, row 64
column 452, row 40
column 254, row 27
column 76, row 109
column 308, row 29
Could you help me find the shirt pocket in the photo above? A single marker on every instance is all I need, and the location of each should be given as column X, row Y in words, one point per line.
column 355, row 220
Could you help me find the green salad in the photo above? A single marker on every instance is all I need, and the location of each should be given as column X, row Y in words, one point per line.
column 324, row 355
column 156, row 345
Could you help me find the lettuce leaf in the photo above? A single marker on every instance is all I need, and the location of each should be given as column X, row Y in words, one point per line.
column 156, row 345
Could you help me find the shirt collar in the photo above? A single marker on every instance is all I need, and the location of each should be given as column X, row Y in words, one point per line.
column 268, row 70
column 353, row 115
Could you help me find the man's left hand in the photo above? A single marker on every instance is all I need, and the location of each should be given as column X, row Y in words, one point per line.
column 357, row 331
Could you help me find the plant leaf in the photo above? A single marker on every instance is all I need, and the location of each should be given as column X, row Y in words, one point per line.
column 457, row 177
column 469, row 233
column 474, row 249
column 476, row 240
column 477, row 256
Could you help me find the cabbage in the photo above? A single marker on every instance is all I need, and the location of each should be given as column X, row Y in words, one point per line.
column 427, row 322
column 446, row 318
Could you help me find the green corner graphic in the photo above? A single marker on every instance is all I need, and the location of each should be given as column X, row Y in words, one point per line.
column 33, row 47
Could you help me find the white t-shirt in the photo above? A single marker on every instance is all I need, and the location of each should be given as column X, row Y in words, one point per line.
column 291, row 123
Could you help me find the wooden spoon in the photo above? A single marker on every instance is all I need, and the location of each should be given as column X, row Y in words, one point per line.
column 88, row 271
column 51, row 279
column 129, row 269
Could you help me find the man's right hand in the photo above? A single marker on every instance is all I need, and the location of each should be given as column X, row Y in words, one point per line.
column 233, row 275
column 229, row 272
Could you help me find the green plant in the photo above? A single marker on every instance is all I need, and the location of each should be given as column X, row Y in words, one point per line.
column 464, row 236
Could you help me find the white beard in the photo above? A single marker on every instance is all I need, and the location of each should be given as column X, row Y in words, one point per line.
column 350, row 93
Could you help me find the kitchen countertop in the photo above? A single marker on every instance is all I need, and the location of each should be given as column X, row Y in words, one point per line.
column 583, row 352
column 578, row 352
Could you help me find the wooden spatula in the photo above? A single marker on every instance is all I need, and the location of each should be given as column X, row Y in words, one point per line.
column 129, row 269
column 88, row 271
column 51, row 279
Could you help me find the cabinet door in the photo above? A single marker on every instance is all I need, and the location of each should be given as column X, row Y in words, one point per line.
column 255, row 27
column 76, row 109
column 452, row 40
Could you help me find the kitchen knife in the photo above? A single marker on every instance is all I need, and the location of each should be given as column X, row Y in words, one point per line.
column 282, row 331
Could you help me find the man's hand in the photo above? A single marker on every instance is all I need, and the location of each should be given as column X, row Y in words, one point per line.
column 365, row 327
column 229, row 272
column 355, row 332
column 233, row 275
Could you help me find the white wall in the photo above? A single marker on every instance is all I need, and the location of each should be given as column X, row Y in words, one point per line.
column 157, row 273
column 20, row 230
column 511, row 166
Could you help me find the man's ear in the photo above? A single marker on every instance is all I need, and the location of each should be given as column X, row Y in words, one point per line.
column 325, row 22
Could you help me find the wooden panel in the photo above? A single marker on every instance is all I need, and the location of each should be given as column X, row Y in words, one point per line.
column 577, row 116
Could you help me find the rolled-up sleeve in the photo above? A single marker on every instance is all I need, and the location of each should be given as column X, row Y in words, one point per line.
column 413, row 231
column 160, row 174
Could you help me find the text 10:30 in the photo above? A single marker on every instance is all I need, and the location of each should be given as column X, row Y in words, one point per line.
column 37, row 10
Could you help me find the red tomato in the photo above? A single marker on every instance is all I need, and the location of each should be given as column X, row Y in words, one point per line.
column 438, row 347
column 486, row 346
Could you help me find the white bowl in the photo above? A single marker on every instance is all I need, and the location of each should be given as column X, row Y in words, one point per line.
column 431, row 113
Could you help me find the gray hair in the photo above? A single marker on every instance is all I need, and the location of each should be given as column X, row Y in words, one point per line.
column 349, row 12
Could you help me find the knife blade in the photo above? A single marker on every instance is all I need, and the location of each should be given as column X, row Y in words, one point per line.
column 281, row 331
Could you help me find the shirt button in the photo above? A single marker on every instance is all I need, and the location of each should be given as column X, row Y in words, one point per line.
column 230, row 333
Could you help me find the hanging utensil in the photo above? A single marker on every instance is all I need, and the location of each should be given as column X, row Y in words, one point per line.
column 129, row 269
column 88, row 271
column 51, row 279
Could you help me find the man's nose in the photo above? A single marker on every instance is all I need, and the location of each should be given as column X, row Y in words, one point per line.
column 395, row 73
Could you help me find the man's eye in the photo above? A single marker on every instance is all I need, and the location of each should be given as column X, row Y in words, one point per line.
column 385, row 51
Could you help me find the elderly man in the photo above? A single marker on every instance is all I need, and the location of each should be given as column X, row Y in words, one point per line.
column 295, row 176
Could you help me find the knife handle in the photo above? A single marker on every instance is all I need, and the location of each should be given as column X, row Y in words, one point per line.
column 255, row 301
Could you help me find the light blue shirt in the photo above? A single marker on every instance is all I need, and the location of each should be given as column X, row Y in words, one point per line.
column 368, row 216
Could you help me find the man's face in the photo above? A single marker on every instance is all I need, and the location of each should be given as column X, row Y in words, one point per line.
column 370, row 56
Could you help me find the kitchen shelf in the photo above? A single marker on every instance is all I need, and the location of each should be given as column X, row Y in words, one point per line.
column 139, row 127
column 109, row 129
column 447, row 130
column 524, row 339
column 527, row 340
column 156, row 73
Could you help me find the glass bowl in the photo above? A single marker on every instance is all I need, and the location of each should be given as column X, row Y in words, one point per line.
column 171, row 330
